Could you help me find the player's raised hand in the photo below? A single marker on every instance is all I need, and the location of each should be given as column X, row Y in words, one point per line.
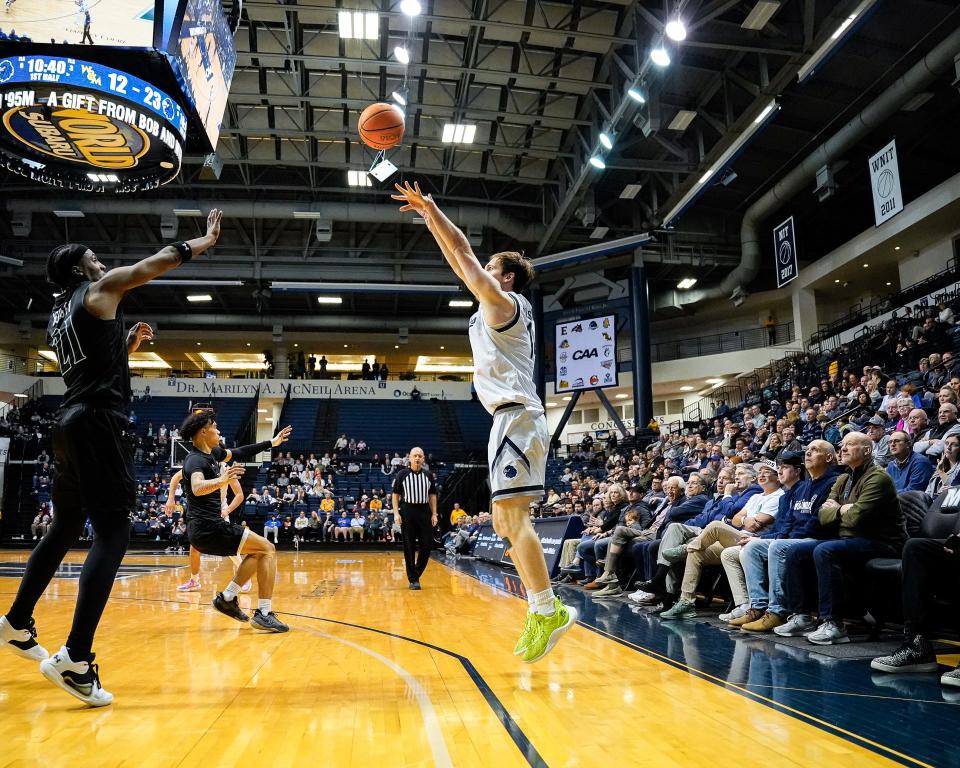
column 213, row 223
column 282, row 436
column 232, row 472
column 138, row 334
column 413, row 198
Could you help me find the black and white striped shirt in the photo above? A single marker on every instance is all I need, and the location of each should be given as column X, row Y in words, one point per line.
column 415, row 487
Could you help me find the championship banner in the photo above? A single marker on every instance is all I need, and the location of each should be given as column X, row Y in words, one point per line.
column 89, row 127
column 4, row 452
column 885, row 183
column 785, row 252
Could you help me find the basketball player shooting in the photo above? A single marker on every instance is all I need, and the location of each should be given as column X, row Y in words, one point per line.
column 501, row 338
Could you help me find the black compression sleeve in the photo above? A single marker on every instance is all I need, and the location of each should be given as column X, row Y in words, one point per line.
column 249, row 451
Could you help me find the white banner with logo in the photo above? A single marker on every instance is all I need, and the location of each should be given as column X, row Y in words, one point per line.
column 4, row 452
column 586, row 354
column 885, row 183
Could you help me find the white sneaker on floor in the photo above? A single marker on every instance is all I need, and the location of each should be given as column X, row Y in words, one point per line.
column 737, row 613
column 798, row 625
column 78, row 678
column 639, row 596
column 829, row 633
column 22, row 642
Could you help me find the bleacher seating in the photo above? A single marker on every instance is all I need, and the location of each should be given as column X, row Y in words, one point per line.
column 475, row 425
column 301, row 414
column 391, row 426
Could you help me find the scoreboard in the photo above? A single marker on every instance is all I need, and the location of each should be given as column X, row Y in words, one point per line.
column 118, row 94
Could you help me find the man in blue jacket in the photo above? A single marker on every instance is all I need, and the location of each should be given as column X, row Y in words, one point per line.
column 677, row 533
column 909, row 471
column 797, row 526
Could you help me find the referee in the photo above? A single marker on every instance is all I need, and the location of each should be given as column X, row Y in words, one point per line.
column 415, row 502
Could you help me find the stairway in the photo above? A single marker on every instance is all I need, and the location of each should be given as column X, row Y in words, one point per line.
column 449, row 426
column 325, row 426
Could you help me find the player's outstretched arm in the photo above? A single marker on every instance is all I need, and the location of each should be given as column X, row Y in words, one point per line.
column 457, row 251
column 201, row 486
column 115, row 283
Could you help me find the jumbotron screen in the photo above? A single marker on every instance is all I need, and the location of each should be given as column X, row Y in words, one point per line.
column 586, row 354
column 105, row 95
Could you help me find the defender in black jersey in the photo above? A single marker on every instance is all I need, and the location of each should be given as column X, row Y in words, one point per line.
column 93, row 451
column 211, row 534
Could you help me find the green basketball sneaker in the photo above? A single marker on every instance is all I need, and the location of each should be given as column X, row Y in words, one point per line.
column 525, row 636
column 546, row 631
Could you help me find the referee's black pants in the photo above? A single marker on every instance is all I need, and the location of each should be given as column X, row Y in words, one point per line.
column 417, row 534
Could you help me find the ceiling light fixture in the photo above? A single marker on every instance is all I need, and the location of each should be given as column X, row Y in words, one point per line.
column 660, row 56
column 768, row 113
column 621, row 396
column 630, row 191
column 358, row 179
column 199, row 297
column 637, row 95
column 676, row 30
column 606, row 139
column 460, row 303
column 411, row 7
column 599, row 232
column 329, row 300
column 400, row 97
column 686, row 389
column 761, row 14
column 458, row 133
column 357, row 25
column 826, row 50
column 402, row 54
column 686, row 283
column 597, row 162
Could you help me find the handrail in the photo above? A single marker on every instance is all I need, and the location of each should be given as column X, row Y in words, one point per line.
column 719, row 343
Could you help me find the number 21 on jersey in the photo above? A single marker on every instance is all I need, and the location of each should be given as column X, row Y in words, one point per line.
column 63, row 339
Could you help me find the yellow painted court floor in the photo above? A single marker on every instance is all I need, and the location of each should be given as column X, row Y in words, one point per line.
column 194, row 688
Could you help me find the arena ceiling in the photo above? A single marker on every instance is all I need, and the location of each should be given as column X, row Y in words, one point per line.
column 540, row 81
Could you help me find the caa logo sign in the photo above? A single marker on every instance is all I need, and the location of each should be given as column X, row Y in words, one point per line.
column 580, row 354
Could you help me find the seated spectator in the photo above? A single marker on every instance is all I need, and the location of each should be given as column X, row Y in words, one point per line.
column 909, row 471
column 357, row 525
column 928, row 566
column 881, row 441
column 272, row 527
column 864, row 505
column 343, row 525
column 930, row 443
column 301, row 524
column 772, row 604
column 361, row 446
column 720, row 543
column 41, row 523
column 945, row 473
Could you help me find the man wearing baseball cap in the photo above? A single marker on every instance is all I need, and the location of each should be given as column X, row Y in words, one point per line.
column 876, row 431
column 797, row 526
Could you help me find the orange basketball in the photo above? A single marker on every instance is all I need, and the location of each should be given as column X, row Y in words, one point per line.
column 381, row 126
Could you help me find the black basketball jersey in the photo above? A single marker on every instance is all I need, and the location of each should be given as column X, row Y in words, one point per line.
column 92, row 353
column 206, row 507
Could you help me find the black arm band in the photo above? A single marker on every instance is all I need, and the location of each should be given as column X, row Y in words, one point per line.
column 249, row 451
column 184, row 250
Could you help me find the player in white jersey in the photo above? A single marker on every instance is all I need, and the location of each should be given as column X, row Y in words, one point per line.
column 501, row 337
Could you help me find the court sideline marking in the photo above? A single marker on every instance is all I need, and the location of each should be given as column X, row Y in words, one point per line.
column 850, row 736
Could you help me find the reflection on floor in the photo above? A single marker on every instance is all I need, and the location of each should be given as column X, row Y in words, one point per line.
column 911, row 714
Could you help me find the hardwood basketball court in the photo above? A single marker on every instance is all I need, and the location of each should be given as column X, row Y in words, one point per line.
column 374, row 674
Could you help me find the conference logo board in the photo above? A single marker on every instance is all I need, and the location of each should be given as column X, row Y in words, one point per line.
column 785, row 251
column 83, row 126
column 586, row 354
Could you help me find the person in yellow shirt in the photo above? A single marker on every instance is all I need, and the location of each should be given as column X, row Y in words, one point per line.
column 376, row 505
column 327, row 504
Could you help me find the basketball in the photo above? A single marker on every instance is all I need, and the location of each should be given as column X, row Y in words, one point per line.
column 381, row 126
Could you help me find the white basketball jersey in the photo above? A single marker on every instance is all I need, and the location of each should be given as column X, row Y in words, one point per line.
column 503, row 359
